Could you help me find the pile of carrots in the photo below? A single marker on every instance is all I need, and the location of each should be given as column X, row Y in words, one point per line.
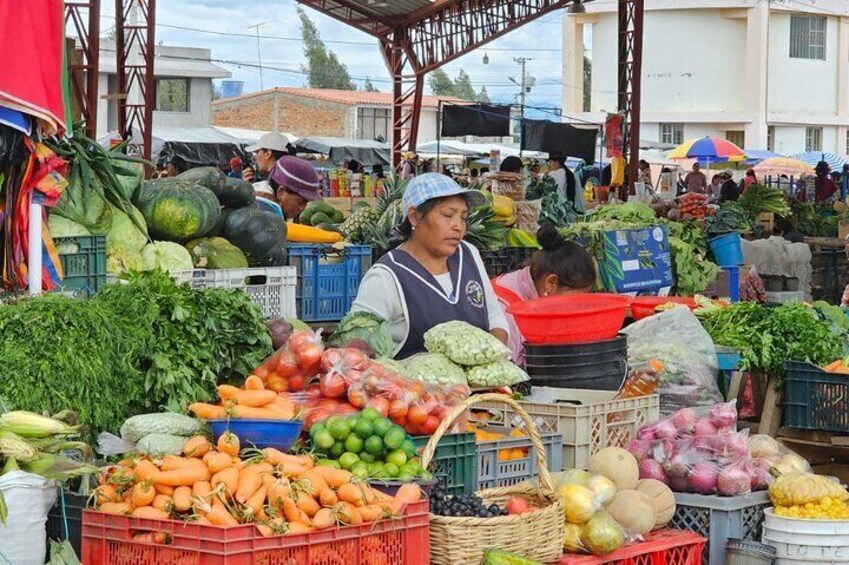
column 840, row 367
column 253, row 402
column 278, row 492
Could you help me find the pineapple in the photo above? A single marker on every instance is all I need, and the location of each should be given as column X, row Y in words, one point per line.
column 359, row 219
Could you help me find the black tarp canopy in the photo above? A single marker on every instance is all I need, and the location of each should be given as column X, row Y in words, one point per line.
column 340, row 149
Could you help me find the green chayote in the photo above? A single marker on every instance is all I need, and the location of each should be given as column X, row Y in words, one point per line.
column 465, row 344
column 494, row 375
column 435, row 368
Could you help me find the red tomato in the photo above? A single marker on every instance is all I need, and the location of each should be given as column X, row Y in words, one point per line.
column 416, row 415
column 429, row 426
column 277, row 383
column 299, row 339
column 398, row 410
column 345, row 408
column 517, row 505
column 287, row 365
column 315, row 415
column 380, row 404
column 331, row 358
column 262, row 372
column 309, row 357
column 412, row 428
column 333, row 385
column 357, row 396
column 297, row 382
column 355, row 359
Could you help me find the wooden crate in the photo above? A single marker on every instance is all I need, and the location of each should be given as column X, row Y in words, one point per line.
column 767, row 221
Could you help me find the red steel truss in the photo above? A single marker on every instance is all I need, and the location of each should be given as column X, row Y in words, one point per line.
column 135, row 23
column 84, row 15
column 630, row 73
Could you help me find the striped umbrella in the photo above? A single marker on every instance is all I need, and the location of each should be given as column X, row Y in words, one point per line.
column 708, row 150
column 836, row 162
column 777, row 166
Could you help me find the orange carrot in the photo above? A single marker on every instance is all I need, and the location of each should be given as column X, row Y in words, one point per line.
column 257, row 501
column 408, row 493
column 217, row 461
column 255, row 398
column 251, row 413
column 163, row 502
column 208, row 411
column 228, row 477
column 293, row 513
column 253, row 382
column 201, row 489
column 116, row 507
column 324, row 519
column 278, row 491
column 276, row 457
column 307, row 504
column 162, row 489
column 196, row 446
column 104, row 494
column 328, row 498
column 150, row 513
column 183, row 498
column 143, row 494
column 371, row 512
column 144, row 470
column 203, row 521
column 291, row 470
column 182, row 477
column 219, row 516
column 298, row 528
column 265, row 530
column 313, row 482
column 229, row 443
column 250, row 480
column 226, row 392
column 355, row 494
column 349, row 514
column 335, row 478
column 284, row 406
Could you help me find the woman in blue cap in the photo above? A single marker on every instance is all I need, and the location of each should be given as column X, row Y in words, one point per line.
column 433, row 276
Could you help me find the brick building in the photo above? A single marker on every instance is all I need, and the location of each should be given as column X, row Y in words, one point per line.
column 316, row 112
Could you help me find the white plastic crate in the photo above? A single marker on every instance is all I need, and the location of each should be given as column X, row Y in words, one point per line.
column 720, row 518
column 271, row 288
column 495, row 470
column 588, row 420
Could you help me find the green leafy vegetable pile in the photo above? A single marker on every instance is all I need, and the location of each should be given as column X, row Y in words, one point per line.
column 555, row 209
column 760, row 198
column 812, row 220
column 137, row 347
column 768, row 337
column 731, row 217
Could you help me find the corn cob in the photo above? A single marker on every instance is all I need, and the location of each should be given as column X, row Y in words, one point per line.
column 31, row 425
column 13, row 446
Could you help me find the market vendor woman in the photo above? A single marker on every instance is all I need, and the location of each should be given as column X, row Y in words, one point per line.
column 560, row 267
column 433, row 276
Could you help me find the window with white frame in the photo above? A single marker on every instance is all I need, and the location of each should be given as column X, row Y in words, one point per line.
column 813, row 139
column 672, row 133
column 374, row 123
column 737, row 137
column 807, row 37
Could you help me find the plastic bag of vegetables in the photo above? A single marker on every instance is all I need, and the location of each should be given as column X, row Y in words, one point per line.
column 465, row 344
column 494, row 375
column 435, row 368
column 367, row 327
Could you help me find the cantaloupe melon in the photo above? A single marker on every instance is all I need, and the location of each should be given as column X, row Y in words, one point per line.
column 662, row 500
column 618, row 465
column 634, row 511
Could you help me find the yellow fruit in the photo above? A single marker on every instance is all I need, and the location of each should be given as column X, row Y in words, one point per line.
column 503, row 206
column 572, row 542
column 602, row 535
column 799, row 489
column 603, row 488
column 578, row 503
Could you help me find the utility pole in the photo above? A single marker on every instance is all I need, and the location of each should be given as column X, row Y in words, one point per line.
column 259, row 52
column 525, row 85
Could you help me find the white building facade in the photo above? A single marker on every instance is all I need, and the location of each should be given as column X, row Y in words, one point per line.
column 765, row 74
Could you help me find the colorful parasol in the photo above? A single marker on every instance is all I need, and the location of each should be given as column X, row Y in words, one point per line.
column 708, row 150
column 777, row 166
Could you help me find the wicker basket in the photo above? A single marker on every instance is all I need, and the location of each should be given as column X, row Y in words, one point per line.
column 535, row 535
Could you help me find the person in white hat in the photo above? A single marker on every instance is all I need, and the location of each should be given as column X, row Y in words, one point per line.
column 267, row 150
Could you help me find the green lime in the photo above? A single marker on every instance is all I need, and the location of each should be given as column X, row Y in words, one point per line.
column 360, row 470
column 348, row 459
column 374, row 445
column 330, row 421
column 408, row 469
column 364, row 428
column 338, row 449
column 370, row 414
column 425, row 475
column 406, row 476
column 329, row 463
column 323, row 440
column 395, row 437
column 409, row 448
column 382, row 426
column 390, row 470
column 381, row 474
column 340, row 429
column 375, row 467
column 354, row 443
column 397, row 458
column 367, row 457
column 316, row 428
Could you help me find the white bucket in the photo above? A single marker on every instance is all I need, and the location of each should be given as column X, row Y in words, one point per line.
column 805, row 542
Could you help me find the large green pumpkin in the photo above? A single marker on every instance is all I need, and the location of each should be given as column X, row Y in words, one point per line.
column 216, row 253
column 177, row 210
column 260, row 235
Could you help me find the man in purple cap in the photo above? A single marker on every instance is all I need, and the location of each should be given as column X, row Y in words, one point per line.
column 296, row 184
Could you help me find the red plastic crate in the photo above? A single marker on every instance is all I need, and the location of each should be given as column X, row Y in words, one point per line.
column 108, row 540
column 665, row 547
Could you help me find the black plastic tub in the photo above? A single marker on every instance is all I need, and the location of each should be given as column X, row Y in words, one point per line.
column 73, row 513
column 596, row 366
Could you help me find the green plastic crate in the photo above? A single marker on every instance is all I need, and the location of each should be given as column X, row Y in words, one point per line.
column 85, row 265
column 453, row 462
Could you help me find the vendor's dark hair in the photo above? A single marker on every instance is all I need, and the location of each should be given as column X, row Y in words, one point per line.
column 511, row 164
column 572, row 264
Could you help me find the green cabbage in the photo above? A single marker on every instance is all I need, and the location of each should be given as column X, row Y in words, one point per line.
column 63, row 227
column 124, row 260
column 366, row 326
column 124, row 233
column 168, row 256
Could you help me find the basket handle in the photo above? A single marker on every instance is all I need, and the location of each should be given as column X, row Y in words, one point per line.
column 542, row 462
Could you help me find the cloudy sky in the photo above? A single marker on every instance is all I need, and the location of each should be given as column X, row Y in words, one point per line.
column 222, row 25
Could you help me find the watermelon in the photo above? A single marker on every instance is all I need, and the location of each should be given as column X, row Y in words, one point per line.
column 260, row 235
column 210, row 177
column 178, row 211
column 232, row 193
column 216, row 253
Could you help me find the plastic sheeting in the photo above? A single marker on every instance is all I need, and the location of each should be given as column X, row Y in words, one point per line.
column 339, row 149
column 778, row 257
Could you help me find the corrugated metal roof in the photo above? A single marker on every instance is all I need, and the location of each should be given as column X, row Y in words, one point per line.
column 347, row 97
column 386, row 8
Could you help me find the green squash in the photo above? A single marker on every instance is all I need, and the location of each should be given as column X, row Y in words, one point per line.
column 216, row 253
column 178, row 211
column 210, row 177
column 260, row 235
column 232, row 193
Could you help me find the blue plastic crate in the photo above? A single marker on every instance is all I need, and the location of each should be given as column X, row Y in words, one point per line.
column 328, row 278
column 495, row 469
column 733, row 283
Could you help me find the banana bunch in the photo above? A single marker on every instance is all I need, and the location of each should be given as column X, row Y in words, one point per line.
column 800, row 489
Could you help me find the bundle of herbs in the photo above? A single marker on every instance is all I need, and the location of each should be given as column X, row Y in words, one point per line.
column 555, row 209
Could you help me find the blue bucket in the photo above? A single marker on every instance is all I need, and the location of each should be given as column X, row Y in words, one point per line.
column 727, row 250
column 279, row 434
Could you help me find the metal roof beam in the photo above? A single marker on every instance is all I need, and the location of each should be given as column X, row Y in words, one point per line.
column 351, row 13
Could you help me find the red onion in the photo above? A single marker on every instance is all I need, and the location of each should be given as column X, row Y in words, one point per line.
column 665, row 429
column 662, row 450
column 679, row 484
column 639, row 448
column 703, row 478
column 730, row 446
column 676, row 466
column 651, row 469
column 724, row 415
column 733, row 480
column 758, row 470
column 704, row 427
column 685, row 420
column 646, row 432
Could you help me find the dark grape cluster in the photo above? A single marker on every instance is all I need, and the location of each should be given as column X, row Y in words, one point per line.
column 468, row 505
